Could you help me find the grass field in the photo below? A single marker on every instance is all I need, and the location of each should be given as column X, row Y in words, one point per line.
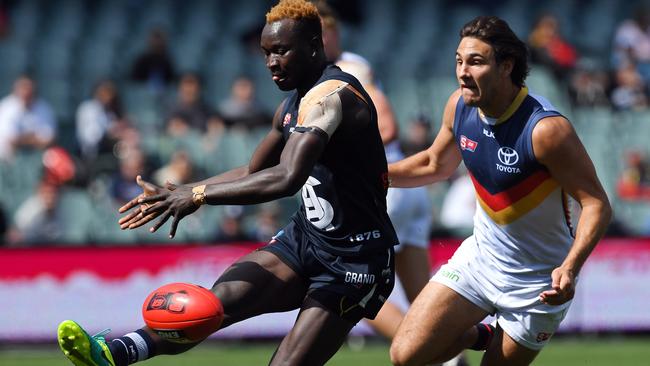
column 569, row 352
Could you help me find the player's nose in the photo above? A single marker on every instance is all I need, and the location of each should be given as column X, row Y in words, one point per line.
column 462, row 70
column 272, row 62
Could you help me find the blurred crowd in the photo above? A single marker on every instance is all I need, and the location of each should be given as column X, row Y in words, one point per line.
column 194, row 136
column 624, row 86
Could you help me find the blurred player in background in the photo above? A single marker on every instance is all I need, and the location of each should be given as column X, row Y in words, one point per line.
column 522, row 261
column 409, row 209
column 334, row 260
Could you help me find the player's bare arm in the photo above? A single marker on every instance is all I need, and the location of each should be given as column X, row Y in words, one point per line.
column 297, row 160
column 436, row 163
column 319, row 118
column 557, row 147
column 386, row 120
column 266, row 155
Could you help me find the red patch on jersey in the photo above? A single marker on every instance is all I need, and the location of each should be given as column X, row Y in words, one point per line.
column 287, row 119
column 543, row 336
column 467, row 144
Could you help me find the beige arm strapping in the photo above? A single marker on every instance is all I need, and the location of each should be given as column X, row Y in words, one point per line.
column 321, row 107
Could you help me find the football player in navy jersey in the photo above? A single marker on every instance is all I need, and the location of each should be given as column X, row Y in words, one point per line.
column 523, row 259
column 410, row 210
column 334, row 260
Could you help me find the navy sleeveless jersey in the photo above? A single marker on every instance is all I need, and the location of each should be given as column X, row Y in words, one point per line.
column 505, row 157
column 343, row 206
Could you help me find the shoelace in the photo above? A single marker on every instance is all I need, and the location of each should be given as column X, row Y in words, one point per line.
column 101, row 334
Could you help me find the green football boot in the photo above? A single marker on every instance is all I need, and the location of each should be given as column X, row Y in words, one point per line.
column 81, row 348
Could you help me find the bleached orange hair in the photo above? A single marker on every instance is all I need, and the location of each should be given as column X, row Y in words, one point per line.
column 294, row 9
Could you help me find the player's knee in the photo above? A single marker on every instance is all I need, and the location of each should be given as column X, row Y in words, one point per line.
column 400, row 354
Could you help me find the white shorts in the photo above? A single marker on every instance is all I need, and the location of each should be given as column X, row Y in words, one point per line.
column 518, row 309
column 411, row 213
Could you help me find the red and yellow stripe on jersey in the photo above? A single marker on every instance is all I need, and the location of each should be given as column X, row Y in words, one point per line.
column 510, row 204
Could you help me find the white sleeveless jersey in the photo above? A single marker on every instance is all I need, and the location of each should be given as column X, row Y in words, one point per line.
column 522, row 225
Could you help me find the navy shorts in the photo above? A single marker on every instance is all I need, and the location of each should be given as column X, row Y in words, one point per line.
column 354, row 287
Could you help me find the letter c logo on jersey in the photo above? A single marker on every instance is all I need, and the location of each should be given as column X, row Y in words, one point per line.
column 319, row 211
column 508, row 156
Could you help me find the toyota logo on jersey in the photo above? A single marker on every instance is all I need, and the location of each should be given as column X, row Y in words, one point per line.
column 508, row 156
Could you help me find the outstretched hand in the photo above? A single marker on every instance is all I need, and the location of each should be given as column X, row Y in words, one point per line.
column 135, row 218
column 156, row 201
column 563, row 287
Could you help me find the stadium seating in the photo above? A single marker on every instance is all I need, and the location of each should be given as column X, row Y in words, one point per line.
column 70, row 44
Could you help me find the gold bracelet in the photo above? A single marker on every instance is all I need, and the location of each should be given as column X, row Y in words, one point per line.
column 198, row 195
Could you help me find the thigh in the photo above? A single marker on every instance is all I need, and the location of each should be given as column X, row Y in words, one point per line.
column 503, row 350
column 435, row 322
column 413, row 269
column 387, row 320
column 315, row 337
column 258, row 283
column 531, row 327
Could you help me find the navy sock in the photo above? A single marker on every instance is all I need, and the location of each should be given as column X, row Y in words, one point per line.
column 131, row 348
column 120, row 351
column 485, row 334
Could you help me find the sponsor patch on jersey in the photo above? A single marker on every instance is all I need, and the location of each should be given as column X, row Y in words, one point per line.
column 467, row 144
column 359, row 278
column 287, row 119
column 508, row 156
column 452, row 275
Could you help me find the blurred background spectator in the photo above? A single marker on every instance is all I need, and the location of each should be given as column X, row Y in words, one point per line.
column 39, row 220
column 550, row 49
column 266, row 223
column 634, row 182
column 100, row 121
column 632, row 42
column 231, row 227
column 58, row 166
column 190, row 104
column 630, row 90
column 179, row 170
column 131, row 164
column 588, row 86
column 242, row 109
column 418, row 135
column 154, row 66
column 26, row 121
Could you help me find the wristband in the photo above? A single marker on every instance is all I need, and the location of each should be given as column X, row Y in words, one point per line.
column 198, row 195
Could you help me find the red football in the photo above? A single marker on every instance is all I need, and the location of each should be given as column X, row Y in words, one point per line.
column 182, row 312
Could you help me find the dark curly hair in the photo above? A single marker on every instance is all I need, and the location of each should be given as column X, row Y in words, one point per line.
column 497, row 33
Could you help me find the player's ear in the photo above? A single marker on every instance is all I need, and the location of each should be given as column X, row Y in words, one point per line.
column 315, row 44
column 506, row 66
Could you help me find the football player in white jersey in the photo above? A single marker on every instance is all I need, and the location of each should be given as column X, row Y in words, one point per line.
column 523, row 260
